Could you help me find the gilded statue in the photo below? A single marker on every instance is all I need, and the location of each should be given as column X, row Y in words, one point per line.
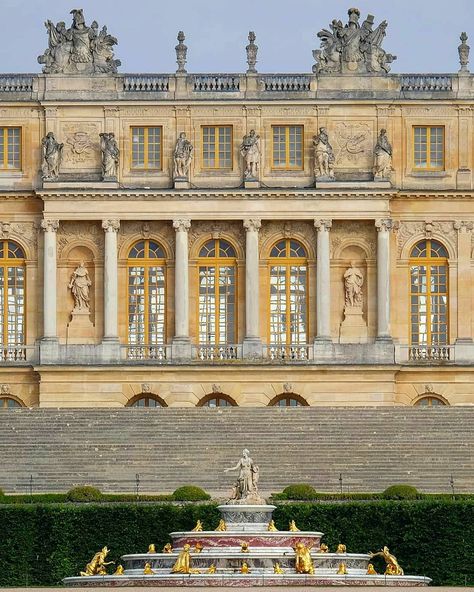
column 277, row 568
column 244, row 547
column 304, row 563
column 246, row 487
column 198, row 547
column 250, row 152
column 382, row 157
column 342, row 569
column 324, row 158
column 353, row 282
column 341, row 548
column 323, row 548
column 393, row 567
column 245, row 569
column 183, row 562
column 52, row 153
column 271, row 526
column 119, row 571
column 292, row 526
column 110, row 156
column 167, row 548
column 183, row 154
column 147, row 571
column 222, row 526
column 198, row 527
column 79, row 285
column 97, row 565
column 371, row 570
column 212, row 569
column 151, row 548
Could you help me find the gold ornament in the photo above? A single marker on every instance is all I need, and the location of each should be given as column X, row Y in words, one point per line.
column 393, row 567
column 303, row 563
column 147, row 570
column 96, row 566
column 292, row 527
column 198, row 527
column 151, row 548
column 271, row 526
column 371, row 570
column 222, row 526
column 212, row 569
column 183, row 563
column 323, row 548
column 245, row 568
column 167, row 548
column 119, row 571
column 198, row 547
column 341, row 548
column 277, row 569
column 342, row 570
column 244, row 547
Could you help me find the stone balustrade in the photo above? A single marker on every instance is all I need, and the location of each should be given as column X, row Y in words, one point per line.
column 146, row 82
column 216, row 82
column 15, row 83
column 426, row 82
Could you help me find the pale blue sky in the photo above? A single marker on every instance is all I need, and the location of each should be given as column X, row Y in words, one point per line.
column 424, row 34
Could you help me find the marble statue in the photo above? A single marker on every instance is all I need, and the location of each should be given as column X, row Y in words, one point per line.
column 181, row 53
column 353, row 282
column 79, row 286
column 323, row 156
column 252, row 51
column 246, row 486
column 250, row 152
column 463, row 51
column 183, row 153
column 96, row 566
column 304, row 563
column 79, row 49
column 110, row 156
column 352, row 48
column 393, row 567
column 52, row 157
column 382, row 157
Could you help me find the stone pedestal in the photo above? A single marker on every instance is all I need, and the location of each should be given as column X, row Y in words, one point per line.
column 251, row 183
column 353, row 327
column 80, row 328
column 182, row 183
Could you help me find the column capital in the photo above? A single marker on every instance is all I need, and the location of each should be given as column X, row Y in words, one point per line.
column 112, row 225
column 50, row 225
column 182, row 225
column 385, row 225
column 252, row 224
column 322, row 224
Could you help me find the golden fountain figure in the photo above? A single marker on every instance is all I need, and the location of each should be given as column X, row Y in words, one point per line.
column 168, row 548
column 393, row 567
column 292, row 527
column 222, row 526
column 271, row 526
column 198, row 527
column 304, row 563
column 96, row 566
column 183, row 563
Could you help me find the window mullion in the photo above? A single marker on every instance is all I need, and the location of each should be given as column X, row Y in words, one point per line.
column 216, row 148
column 5, row 147
column 145, row 148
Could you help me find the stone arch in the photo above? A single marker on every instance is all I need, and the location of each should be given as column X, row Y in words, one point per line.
column 208, row 236
column 10, row 397
column 352, row 242
column 222, row 396
column 132, row 402
column 269, row 242
column 430, row 395
column 132, row 239
column 287, row 397
column 413, row 240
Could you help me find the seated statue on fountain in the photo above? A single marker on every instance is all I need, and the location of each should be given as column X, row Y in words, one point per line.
column 245, row 490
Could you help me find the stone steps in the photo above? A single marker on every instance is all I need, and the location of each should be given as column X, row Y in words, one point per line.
column 372, row 447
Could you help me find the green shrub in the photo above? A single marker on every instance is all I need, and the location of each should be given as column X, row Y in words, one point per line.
column 190, row 493
column 401, row 492
column 300, row 491
column 85, row 493
column 2, row 494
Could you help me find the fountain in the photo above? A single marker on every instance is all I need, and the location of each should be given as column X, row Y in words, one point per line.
column 245, row 549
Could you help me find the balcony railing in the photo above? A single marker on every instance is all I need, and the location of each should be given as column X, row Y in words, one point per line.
column 216, row 82
column 286, row 82
column 426, row 82
column 142, row 353
column 17, row 354
column 288, row 353
column 217, row 353
column 16, row 82
column 146, row 83
column 425, row 354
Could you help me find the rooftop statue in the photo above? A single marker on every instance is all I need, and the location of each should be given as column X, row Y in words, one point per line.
column 352, row 48
column 79, row 49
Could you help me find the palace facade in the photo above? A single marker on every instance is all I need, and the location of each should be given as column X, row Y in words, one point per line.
column 317, row 261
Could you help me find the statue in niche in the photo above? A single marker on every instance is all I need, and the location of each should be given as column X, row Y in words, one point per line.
column 352, row 48
column 79, row 286
column 79, row 49
column 183, row 154
column 323, row 156
column 110, row 156
column 250, row 152
column 246, row 487
column 382, row 157
column 353, row 282
column 52, row 157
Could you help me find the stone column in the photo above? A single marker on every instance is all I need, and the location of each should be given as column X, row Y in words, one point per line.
column 111, row 228
column 50, row 228
column 252, row 346
column 323, row 281
column 181, row 342
column 464, row 349
column 383, row 279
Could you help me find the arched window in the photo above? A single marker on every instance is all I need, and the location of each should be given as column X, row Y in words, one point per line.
column 146, row 400
column 12, row 297
column 288, row 298
column 429, row 401
column 217, row 270
column 217, row 400
column 9, row 403
column 429, row 295
column 288, row 400
column 146, row 299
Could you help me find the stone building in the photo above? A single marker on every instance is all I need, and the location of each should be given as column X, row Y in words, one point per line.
column 236, row 239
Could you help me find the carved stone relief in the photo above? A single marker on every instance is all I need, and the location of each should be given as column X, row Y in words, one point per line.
column 216, row 230
column 353, row 145
column 275, row 230
column 442, row 229
column 81, row 146
column 343, row 232
column 69, row 232
column 28, row 231
column 146, row 230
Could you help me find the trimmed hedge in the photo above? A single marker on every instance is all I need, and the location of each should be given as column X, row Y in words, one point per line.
column 401, row 492
column 300, row 491
column 41, row 544
column 190, row 493
column 84, row 493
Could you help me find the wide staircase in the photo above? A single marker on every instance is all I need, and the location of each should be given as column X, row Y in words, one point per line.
column 51, row 450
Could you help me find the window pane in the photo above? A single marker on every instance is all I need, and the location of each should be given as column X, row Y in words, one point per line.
column 146, row 147
column 217, row 147
column 288, row 146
